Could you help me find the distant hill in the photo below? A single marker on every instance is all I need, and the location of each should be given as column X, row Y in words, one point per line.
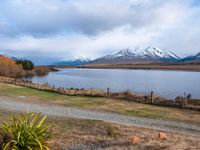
column 134, row 56
column 8, row 67
column 73, row 62
column 192, row 58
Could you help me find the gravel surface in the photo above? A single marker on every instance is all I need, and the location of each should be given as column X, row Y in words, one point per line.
column 61, row 111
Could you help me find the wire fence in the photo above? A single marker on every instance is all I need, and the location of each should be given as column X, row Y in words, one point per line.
column 181, row 102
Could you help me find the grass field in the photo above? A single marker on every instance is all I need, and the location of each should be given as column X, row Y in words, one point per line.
column 100, row 104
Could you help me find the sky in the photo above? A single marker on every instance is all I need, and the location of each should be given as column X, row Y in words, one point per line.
column 46, row 31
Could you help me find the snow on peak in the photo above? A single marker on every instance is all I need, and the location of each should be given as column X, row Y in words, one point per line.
column 149, row 52
column 156, row 52
column 76, row 61
column 131, row 51
column 83, row 59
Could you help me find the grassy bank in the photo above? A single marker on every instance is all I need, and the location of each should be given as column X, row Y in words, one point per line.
column 100, row 104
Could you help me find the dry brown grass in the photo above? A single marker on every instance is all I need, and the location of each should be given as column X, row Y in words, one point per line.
column 95, row 134
column 43, row 70
column 70, row 133
column 162, row 66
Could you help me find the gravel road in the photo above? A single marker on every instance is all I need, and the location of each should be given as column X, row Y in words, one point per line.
column 61, row 111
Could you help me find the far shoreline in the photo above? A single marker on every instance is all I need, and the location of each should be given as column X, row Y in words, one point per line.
column 190, row 67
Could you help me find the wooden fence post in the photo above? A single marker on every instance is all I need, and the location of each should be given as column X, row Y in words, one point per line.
column 70, row 91
column 108, row 92
column 91, row 92
column 151, row 97
column 184, row 95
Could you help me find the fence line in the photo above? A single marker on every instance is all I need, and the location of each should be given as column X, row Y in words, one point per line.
column 47, row 87
column 182, row 102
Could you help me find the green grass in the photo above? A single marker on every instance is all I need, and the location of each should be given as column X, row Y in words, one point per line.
column 101, row 104
column 18, row 91
column 45, row 96
column 144, row 112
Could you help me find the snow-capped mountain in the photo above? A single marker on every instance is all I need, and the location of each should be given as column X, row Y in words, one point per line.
column 73, row 62
column 155, row 52
column 136, row 55
column 128, row 52
column 192, row 58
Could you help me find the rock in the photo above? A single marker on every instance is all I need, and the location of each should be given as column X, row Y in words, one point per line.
column 162, row 135
column 135, row 140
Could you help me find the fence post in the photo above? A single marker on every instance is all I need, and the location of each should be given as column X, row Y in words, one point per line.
column 91, row 92
column 108, row 92
column 184, row 95
column 70, row 91
column 151, row 97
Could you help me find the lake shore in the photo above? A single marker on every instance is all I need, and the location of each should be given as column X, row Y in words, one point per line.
column 126, row 97
column 152, row 66
column 186, row 102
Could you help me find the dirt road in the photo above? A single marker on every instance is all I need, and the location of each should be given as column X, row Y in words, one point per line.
column 11, row 104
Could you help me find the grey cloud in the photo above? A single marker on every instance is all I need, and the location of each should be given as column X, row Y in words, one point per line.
column 41, row 17
column 45, row 30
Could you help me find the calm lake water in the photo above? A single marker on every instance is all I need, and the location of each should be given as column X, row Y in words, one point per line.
column 168, row 84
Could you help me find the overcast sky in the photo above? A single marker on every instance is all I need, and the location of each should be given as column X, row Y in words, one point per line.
column 49, row 30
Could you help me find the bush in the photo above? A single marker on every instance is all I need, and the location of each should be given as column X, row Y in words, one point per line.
column 111, row 131
column 29, row 132
column 27, row 64
column 41, row 70
column 127, row 94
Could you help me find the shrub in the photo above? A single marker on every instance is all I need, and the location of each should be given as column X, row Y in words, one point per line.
column 29, row 132
column 41, row 70
column 127, row 93
column 111, row 131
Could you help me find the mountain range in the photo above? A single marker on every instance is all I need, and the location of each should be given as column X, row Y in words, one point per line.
column 192, row 58
column 134, row 55
column 73, row 62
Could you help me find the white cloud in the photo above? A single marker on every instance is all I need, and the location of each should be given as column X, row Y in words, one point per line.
column 68, row 28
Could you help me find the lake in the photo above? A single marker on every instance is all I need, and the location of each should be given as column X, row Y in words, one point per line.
column 167, row 84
